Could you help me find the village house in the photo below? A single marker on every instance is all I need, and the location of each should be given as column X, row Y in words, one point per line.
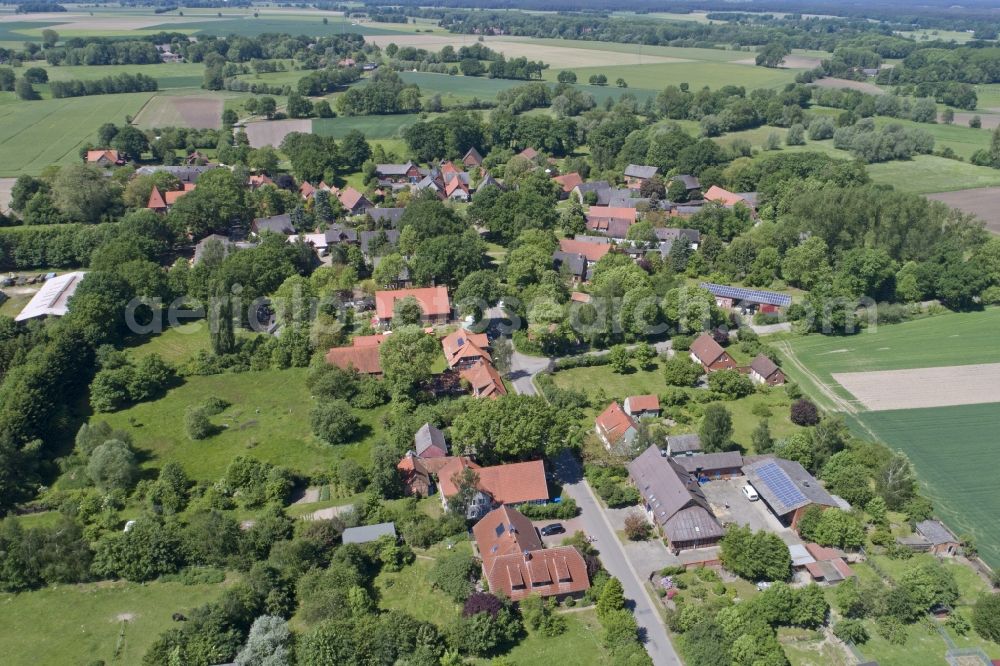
column 185, row 174
column 616, row 428
column 306, row 190
column 377, row 243
column 463, row 349
column 637, row 175
column 726, row 198
column 567, row 183
column 601, row 192
column 931, row 536
column 748, row 300
column 528, row 153
column 392, row 174
column 684, row 445
column 674, row 501
column 257, row 181
column 516, row 564
column 429, row 442
column 691, row 183
column 364, row 359
column 386, row 217
column 278, row 224
column 104, row 158
column 484, row 380
column 827, row 565
column 765, row 371
column 472, row 158
column 642, row 406
column 710, row 354
column 499, row 485
column 433, row 302
column 354, row 202
column 787, row 489
column 612, row 222
column 673, row 235
column 718, row 465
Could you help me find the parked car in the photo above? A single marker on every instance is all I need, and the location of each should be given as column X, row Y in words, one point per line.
column 751, row 494
column 554, row 528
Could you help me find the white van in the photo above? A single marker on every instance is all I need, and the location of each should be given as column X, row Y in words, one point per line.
column 750, row 493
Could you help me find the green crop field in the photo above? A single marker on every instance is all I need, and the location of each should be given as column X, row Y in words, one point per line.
column 953, row 450
column 962, row 139
column 929, row 173
column 268, row 419
column 373, row 127
column 167, row 75
column 705, row 55
column 293, row 24
column 948, row 339
column 697, row 74
column 80, row 624
column 36, row 134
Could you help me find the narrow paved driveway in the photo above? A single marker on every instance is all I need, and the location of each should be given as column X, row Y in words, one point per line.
column 595, row 523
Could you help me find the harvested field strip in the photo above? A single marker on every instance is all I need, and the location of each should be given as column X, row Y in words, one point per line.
column 954, row 451
column 984, row 202
column 924, row 387
column 272, row 132
column 200, row 112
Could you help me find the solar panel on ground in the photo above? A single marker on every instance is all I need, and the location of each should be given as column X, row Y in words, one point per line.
column 780, row 485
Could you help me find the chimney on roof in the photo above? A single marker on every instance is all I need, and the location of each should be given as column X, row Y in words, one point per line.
column 527, row 555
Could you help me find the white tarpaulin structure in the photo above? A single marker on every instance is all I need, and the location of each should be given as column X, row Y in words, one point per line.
column 52, row 299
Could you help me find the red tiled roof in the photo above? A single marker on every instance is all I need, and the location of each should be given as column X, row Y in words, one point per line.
column 433, row 300
column 820, row 553
column 611, row 213
column 516, row 564
column 568, row 181
column 96, row 155
column 707, row 349
column 592, row 251
column 579, row 297
column 485, row 380
column 256, row 180
column 306, row 189
column 506, row 484
column 367, row 340
column 841, row 566
column 363, row 359
column 529, row 153
column 448, row 167
column 724, row 197
column 172, row 196
column 644, row 403
column 455, row 184
column 461, row 344
column 350, row 197
column 156, row 201
column 614, row 422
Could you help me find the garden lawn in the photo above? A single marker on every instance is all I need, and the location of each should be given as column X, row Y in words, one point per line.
column 964, row 140
column 953, row 450
column 268, row 419
column 410, row 590
column 81, row 624
column 36, row 134
column 582, row 640
column 176, row 345
column 601, row 379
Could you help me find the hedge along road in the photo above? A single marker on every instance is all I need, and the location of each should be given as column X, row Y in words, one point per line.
column 596, row 524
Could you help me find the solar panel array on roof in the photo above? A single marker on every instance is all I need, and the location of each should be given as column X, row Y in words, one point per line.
column 751, row 295
column 780, row 484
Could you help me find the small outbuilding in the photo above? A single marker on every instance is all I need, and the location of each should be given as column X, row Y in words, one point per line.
column 369, row 533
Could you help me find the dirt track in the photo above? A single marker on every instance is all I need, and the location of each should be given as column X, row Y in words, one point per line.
column 924, row 387
column 984, row 202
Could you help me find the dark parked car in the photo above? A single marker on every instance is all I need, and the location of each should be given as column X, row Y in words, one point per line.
column 554, row 528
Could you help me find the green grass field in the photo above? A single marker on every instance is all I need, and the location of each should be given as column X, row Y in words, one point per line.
column 704, row 55
column 929, row 173
column 268, row 419
column 81, row 624
column 36, row 134
column 167, row 75
column 373, row 127
column 964, row 140
column 698, row 74
column 942, row 340
column 953, row 450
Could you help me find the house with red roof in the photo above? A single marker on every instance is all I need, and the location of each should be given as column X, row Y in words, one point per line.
column 499, row 485
column 472, row 158
column 354, row 202
column 612, row 221
column 156, row 202
column 463, row 349
column 364, row 359
column 615, row 427
column 256, row 181
column 516, row 564
column 104, row 158
column 710, row 354
column 765, row 371
column 528, row 153
column 567, row 182
column 306, row 190
column 591, row 251
column 484, row 380
column 641, row 406
column 433, row 302
column 725, row 197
